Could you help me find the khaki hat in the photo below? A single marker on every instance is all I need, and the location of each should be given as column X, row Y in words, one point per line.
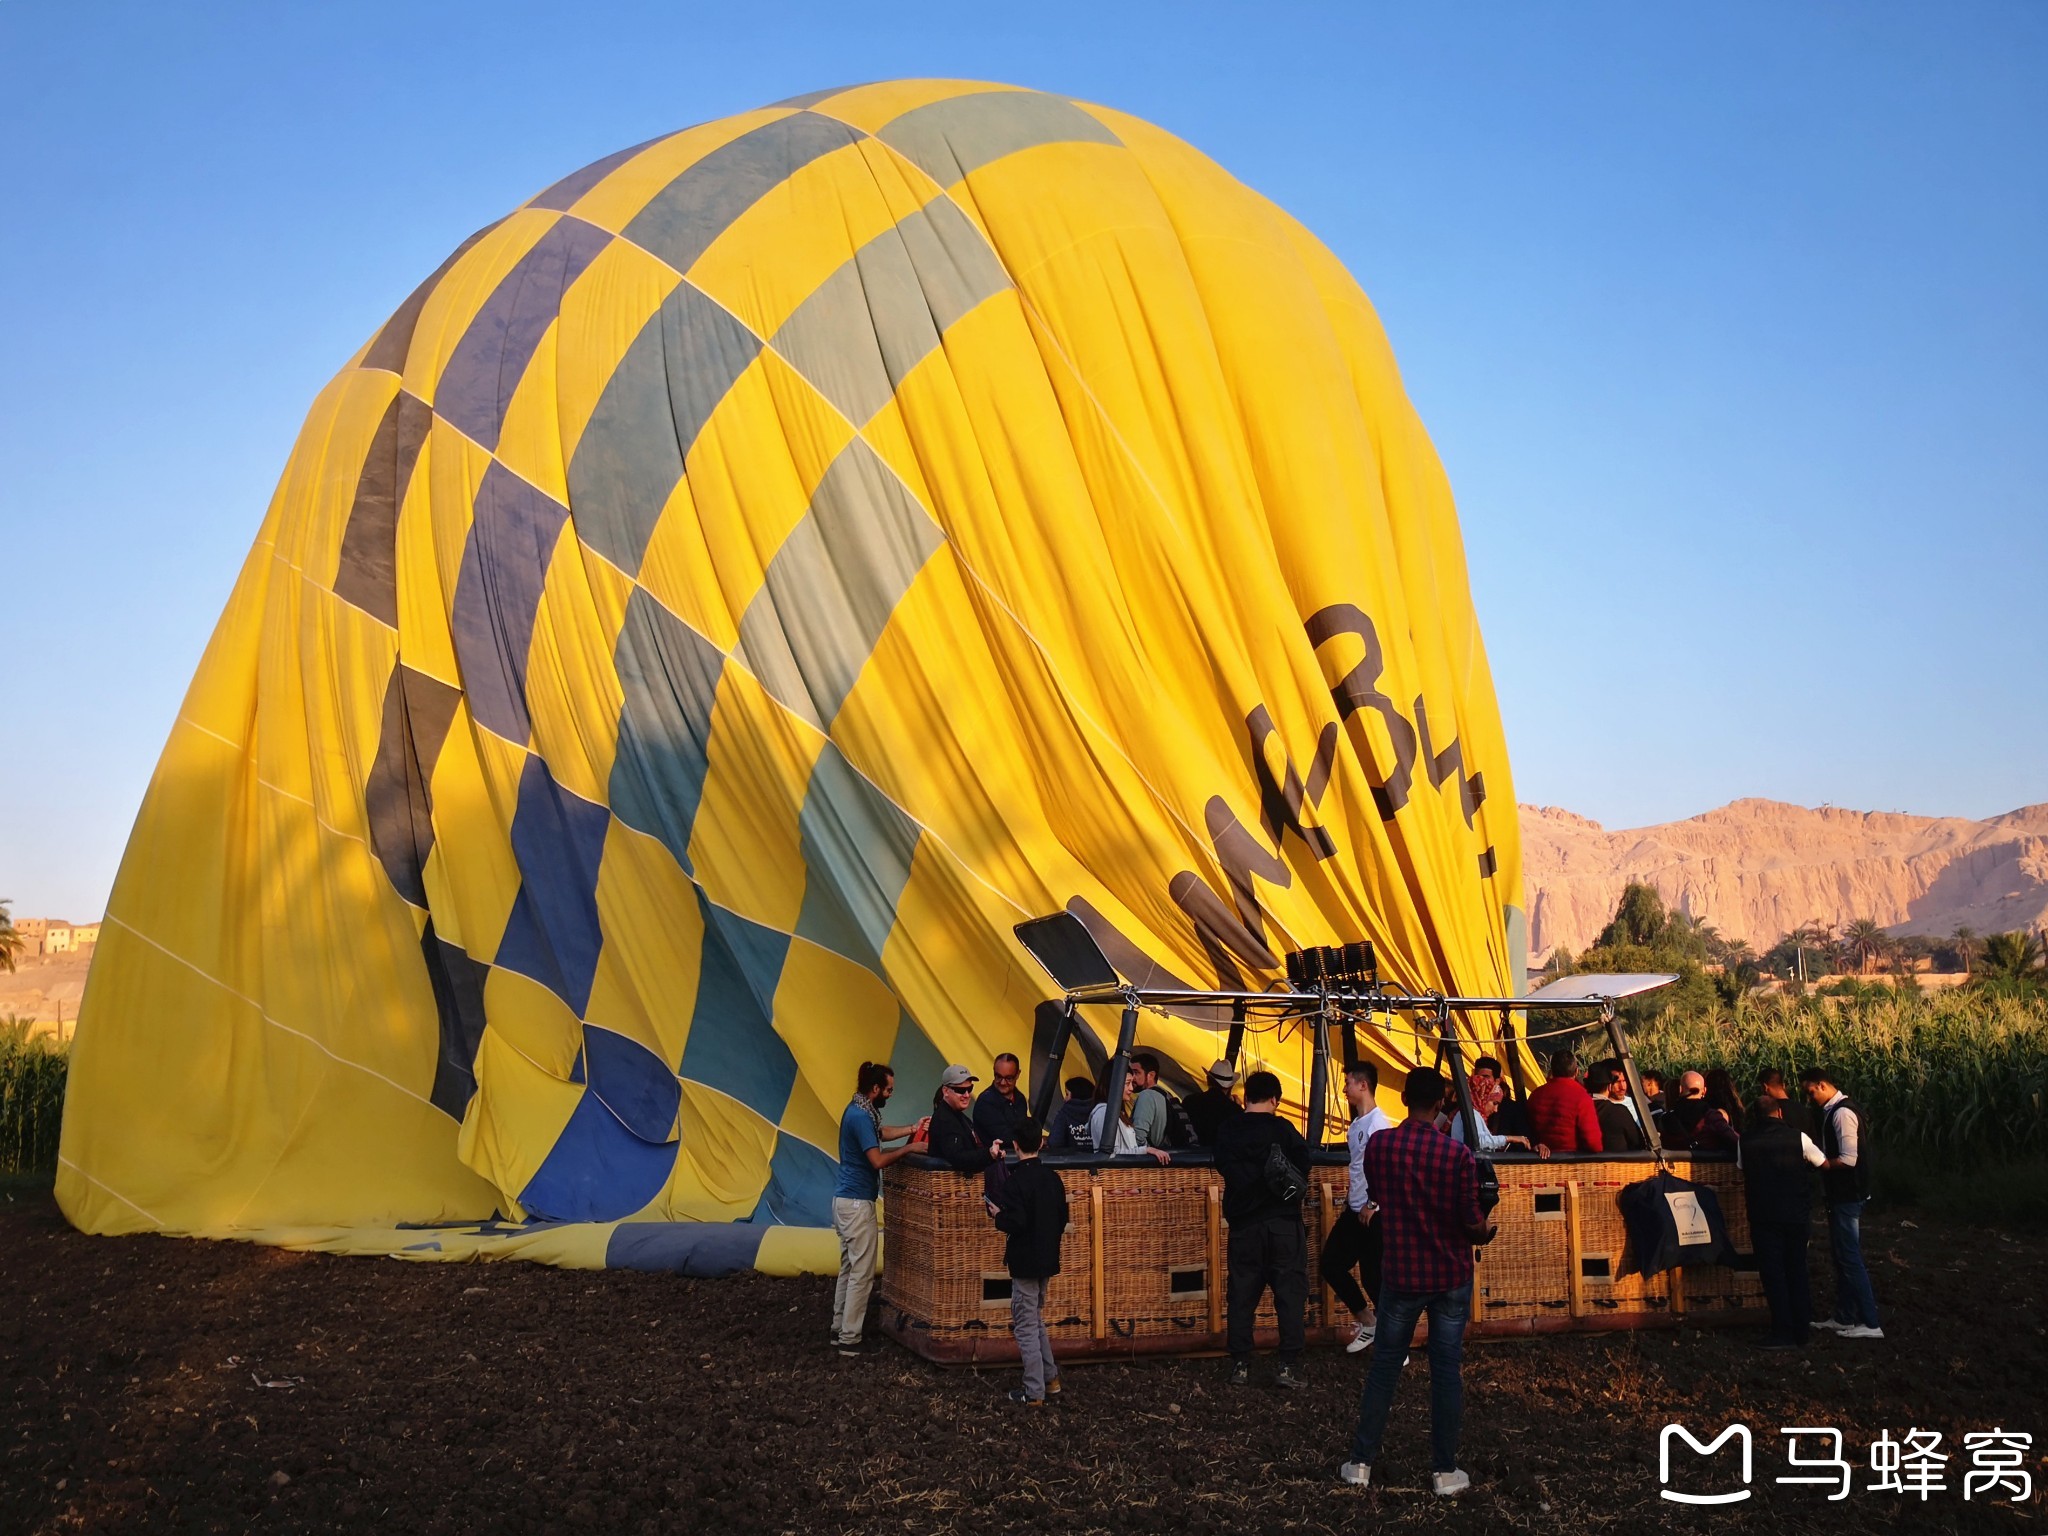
column 956, row 1077
column 1222, row 1074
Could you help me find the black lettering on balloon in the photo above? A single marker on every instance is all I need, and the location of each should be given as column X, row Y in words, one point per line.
column 1280, row 801
column 1228, row 937
column 1359, row 689
column 1233, row 934
column 1441, row 765
column 1242, row 856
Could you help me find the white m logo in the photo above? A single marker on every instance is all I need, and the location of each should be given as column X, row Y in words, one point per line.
column 1739, row 1433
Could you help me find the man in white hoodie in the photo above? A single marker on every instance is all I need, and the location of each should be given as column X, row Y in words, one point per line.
column 1354, row 1241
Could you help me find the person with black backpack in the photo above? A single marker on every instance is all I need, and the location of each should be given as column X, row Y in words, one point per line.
column 1264, row 1162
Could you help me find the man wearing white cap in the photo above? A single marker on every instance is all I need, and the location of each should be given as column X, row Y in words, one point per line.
column 953, row 1136
column 1208, row 1109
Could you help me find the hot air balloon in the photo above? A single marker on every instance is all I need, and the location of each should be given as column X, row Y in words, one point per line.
column 727, row 596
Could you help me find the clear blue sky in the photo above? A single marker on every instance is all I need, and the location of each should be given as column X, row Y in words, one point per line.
column 1730, row 322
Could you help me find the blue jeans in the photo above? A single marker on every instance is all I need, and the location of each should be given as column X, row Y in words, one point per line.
column 1855, row 1302
column 1399, row 1311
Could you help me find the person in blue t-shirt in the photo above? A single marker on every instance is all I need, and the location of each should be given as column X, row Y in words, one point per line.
column 861, row 1161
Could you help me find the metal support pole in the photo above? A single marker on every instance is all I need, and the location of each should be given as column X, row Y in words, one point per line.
column 1447, row 1051
column 1514, row 1057
column 1119, row 1069
column 1055, row 1061
column 1447, row 1046
column 1641, row 1100
column 1319, row 1079
column 1350, row 1040
column 1236, row 1045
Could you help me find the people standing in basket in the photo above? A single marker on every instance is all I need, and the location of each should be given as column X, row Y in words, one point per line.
column 1068, row 1131
column 1489, row 1117
column 1208, row 1109
column 954, row 1140
column 1264, row 1163
column 1354, row 1240
column 1427, row 1189
column 1620, row 1129
column 1845, row 1144
column 1721, row 1096
column 1561, row 1113
column 1774, row 1157
column 1694, row 1125
column 1002, row 1107
column 1152, row 1107
column 1125, row 1141
column 1653, row 1091
column 1032, row 1211
column 854, row 1193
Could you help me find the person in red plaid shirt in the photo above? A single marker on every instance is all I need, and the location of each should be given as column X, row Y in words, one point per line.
column 1427, row 1187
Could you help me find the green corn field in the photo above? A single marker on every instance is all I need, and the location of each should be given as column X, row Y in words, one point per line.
column 1957, row 1078
column 31, row 1100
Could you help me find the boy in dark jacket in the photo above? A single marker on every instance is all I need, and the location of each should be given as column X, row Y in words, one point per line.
column 1032, row 1209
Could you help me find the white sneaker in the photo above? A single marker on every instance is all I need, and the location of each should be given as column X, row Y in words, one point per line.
column 1449, row 1485
column 1357, row 1473
column 1361, row 1341
column 1830, row 1324
column 1861, row 1332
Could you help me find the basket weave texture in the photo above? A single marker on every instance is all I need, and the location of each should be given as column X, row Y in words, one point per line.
column 943, row 1274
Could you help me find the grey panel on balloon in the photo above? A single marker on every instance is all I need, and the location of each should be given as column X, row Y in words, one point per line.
column 631, row 456
column 857, row 845
column 833, row 584
column 683, row 218
column 948, row 139
column 871, row 322
column 668, row 674
column 956, row 266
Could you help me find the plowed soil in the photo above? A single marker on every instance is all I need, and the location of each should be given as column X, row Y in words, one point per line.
column 150, row 1384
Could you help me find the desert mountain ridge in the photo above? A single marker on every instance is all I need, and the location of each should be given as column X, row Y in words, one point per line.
column 1756, row 869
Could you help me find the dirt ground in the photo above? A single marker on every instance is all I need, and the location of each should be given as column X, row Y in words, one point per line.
column 162, row 1385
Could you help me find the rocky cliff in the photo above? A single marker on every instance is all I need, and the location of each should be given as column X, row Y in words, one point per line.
column 1757, row 869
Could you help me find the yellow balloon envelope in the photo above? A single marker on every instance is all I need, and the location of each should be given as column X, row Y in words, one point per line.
column 725, row 598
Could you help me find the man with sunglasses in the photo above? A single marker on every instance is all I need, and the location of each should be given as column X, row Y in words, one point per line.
column 954, row 1139
column 1002, row 1107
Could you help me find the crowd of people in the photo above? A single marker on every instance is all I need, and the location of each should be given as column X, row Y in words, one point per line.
column 1402, row 1248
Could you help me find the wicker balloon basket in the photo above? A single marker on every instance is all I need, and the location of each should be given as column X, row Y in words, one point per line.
column 1142, row 1264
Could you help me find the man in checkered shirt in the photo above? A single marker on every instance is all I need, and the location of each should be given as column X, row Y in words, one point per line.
column 1427, row 1188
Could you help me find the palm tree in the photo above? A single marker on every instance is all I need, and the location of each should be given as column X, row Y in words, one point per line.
column 1863, row 940
column 1966, row 944
column 10, row 940
column 2012, row 955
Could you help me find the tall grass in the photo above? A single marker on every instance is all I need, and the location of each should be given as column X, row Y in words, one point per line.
column 1958, row 1079
column 32, row 1071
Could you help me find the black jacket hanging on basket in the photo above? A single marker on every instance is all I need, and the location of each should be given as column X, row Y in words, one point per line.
column 1672, row 1221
